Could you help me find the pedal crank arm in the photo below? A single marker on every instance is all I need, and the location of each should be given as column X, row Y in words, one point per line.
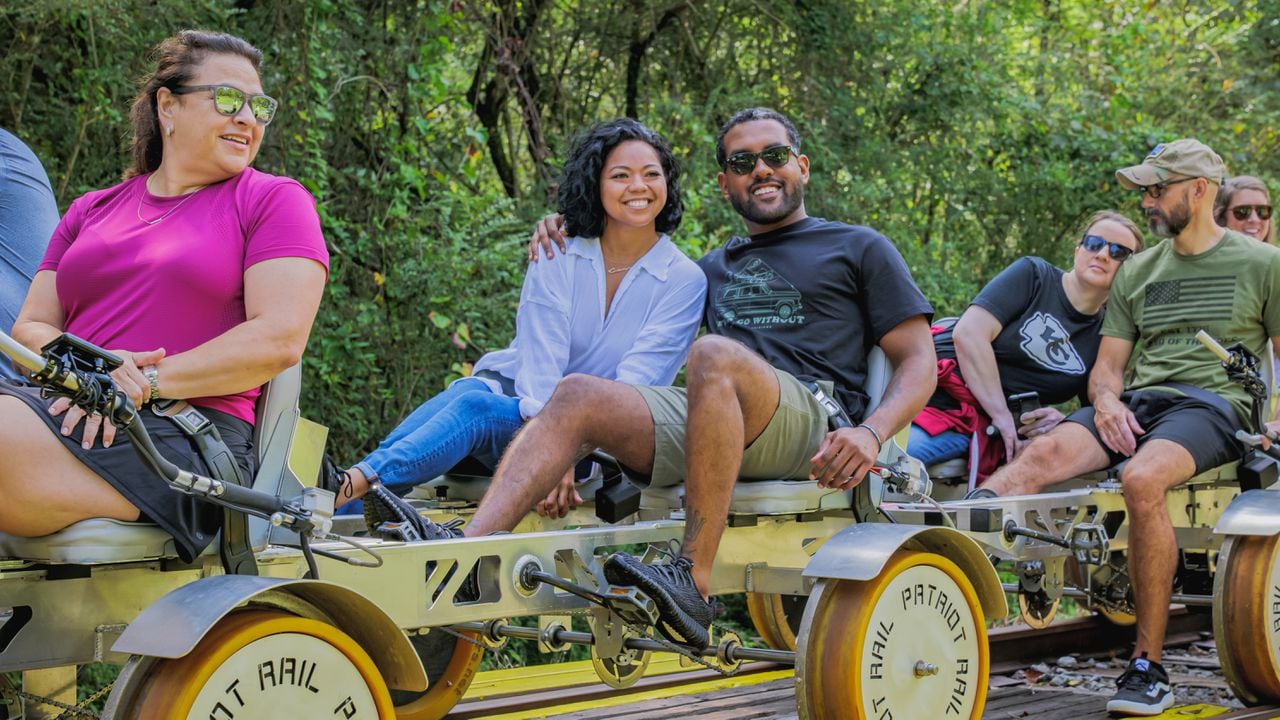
column 530, row 576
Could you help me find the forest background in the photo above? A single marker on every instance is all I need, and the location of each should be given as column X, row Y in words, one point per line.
column 970, row 132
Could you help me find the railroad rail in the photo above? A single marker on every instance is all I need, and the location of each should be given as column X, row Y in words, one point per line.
column 765, row 690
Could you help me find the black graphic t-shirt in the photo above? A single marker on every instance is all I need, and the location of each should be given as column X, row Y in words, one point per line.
column 1046, row 345
column 812, row 298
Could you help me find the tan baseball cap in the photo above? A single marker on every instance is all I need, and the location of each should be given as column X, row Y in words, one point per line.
column 1181, row 158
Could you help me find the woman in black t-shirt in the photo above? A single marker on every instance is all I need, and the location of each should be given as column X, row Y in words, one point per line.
column 1034, row 328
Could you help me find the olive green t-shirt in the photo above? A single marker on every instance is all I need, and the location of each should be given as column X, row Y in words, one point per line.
column 1161, row 299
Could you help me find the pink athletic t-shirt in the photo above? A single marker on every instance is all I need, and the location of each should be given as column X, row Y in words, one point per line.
column 179, row 282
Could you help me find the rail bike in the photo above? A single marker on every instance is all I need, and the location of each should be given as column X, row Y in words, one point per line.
column 1073, row 542
column 880, row 596
column 321, row 623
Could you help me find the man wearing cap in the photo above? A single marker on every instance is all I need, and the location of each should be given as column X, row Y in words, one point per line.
column 1178, row 413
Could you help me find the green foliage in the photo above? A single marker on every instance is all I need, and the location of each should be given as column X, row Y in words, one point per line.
column 430, row 132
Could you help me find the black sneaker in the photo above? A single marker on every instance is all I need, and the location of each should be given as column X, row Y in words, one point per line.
column 331, row 477
column 391, row 517
column 1143, row 689
column 683, row 616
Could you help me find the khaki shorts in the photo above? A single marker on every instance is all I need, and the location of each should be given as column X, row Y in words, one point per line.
column 781, row 452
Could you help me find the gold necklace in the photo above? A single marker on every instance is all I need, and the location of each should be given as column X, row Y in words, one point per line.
column 168, row 212
column 615, row 269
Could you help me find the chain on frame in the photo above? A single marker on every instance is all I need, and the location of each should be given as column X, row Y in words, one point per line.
column 68, row 711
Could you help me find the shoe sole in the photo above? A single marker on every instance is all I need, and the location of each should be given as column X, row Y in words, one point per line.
column 1136, row 708
column 674, row 622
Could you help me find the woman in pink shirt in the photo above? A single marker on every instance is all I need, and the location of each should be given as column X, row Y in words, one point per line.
column 202, row 273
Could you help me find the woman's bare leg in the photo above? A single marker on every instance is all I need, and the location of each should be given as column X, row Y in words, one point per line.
column 43, row 486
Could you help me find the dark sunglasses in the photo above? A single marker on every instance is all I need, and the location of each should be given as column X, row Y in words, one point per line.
column 775, row 156
column 1093, row 243
column 228, row 100
column 1155, row 191
column 1242, row 212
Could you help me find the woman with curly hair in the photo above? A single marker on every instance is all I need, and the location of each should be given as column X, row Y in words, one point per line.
column 625, row 306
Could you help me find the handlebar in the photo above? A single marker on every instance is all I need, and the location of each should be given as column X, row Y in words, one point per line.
column 24, row 357
column 1214, row 346
column 1255, row 441
column 1243, row 368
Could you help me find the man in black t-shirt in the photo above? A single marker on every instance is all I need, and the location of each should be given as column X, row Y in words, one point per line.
column 801, row 299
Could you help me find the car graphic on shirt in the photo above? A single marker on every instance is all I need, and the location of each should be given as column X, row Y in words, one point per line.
column 758, row 296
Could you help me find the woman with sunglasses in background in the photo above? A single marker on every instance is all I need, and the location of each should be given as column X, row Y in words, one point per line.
column 202, row 274
column 624, row 304
column 1244, row 205
column 1033, row 329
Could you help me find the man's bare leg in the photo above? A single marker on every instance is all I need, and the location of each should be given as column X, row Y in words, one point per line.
column 733, row 394
column 1158, row 466
column 1066, row 451
column 584, row 413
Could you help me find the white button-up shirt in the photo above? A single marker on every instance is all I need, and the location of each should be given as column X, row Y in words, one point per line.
column 562, row 328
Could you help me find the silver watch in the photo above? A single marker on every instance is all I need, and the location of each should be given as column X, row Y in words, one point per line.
column 152, row 373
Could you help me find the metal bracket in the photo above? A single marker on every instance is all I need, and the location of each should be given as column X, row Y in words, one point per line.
column 1045, row 575
column 550, row 627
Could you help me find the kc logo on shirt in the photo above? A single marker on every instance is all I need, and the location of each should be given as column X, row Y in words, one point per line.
column 1047, row 342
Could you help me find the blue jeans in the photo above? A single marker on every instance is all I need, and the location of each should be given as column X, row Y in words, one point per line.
column 466, row 420
column 28, row 215
column 931, row 450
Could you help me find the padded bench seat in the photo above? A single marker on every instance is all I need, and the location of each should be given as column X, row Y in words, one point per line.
column 92, row 542
column 771, row 497
column 471, row 488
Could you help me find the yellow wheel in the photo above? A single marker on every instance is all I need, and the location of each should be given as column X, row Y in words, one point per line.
column 256, row 663
column 910, row 643
column 776, row 617
column 451, row 663
column 1246, row 616
column 1111, row 596
column 1036, row 610
column 1119, row 618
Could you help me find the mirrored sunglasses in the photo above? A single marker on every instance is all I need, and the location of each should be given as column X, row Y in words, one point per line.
column 1093, row 243
column 775, row 156
column 228, row 100
column 1242, row 212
